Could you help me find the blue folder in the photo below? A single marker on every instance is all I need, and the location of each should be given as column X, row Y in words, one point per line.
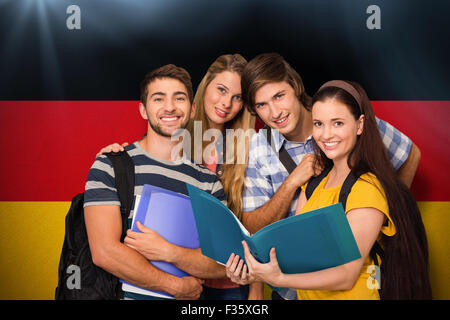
column 170, row 214
column 307, row 242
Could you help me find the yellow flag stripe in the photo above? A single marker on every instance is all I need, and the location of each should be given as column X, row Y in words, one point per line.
column 32, row 233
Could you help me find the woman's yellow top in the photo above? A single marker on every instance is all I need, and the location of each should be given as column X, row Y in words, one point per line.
column 366, row 193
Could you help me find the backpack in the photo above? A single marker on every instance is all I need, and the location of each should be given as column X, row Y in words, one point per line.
column 290, row 165
column 78, row 277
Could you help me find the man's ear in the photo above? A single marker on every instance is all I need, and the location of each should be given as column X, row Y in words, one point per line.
column 142, row 111
column 360, row 125
column 193, row 108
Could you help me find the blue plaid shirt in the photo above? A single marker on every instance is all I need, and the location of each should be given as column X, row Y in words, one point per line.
column 265, row 173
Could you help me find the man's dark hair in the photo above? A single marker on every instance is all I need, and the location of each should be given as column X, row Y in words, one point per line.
column 266, row 68
column 167, row 71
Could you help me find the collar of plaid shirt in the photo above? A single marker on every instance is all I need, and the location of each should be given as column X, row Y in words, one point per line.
column 278, row 141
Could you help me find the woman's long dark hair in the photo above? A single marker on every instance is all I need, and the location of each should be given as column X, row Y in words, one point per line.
column 405, row 262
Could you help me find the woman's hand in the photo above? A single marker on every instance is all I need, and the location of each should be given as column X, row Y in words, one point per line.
column 115, row 147
column 267, row 272
column 253, row 271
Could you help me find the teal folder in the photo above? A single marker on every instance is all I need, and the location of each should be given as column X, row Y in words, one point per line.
column 307, row 242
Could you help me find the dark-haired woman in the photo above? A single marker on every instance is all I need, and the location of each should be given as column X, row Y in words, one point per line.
column 379, row 207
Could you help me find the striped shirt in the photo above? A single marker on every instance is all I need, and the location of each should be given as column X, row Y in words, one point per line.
column 265, row 173
column 171, row 175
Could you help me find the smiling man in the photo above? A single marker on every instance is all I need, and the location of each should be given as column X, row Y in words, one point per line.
column 274, row 91
column 167, row 105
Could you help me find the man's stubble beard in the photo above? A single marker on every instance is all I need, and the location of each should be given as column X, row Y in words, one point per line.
column 158, row 130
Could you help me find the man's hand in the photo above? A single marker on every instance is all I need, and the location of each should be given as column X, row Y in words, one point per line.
column 115, row 147
column 190, row 289
column 307, row 168
column 149, row 243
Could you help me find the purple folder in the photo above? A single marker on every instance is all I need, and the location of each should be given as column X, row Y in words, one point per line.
column 170, row 214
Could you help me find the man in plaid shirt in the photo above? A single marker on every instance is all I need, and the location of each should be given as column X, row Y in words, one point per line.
column 274, row 91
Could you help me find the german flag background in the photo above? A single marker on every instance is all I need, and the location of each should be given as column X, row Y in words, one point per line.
column 69, row 85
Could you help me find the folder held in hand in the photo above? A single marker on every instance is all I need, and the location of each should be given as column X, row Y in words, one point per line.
column 307, row 242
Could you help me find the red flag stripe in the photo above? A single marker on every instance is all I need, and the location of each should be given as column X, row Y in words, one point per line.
column 426, row 123
column 49, row 146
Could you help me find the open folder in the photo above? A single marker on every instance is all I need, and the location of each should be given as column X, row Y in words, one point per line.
column 307, row 242
column 170, row 214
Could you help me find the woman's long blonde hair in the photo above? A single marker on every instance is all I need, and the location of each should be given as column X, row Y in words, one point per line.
column 233, row 173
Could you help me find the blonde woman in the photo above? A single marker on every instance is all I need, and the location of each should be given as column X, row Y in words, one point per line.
column 220, row 138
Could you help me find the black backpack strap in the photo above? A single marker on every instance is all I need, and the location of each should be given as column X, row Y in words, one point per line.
column 283, row 155
column 315, row 181
column 347, row 187
column 375, row 252
column 124, row 176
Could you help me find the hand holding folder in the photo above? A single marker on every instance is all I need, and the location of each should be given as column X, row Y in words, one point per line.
column 170, row 215
column 308, row 242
